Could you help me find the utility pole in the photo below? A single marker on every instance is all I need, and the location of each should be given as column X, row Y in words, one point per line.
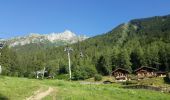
column 1, row 46
column 69, row 49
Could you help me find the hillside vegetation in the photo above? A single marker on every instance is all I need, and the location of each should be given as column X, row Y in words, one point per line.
column 140, row 42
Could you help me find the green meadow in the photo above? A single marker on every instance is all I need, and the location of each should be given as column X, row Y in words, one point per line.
column 12, row 88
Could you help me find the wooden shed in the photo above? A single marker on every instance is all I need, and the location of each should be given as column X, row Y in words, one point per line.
column 121, row 74
column 145, row 72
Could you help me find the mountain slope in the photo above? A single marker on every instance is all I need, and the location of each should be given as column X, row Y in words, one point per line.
column 146, row 38
column 140, row 42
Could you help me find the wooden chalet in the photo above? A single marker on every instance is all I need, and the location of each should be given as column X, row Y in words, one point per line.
column 121, row 74
column 145, row 72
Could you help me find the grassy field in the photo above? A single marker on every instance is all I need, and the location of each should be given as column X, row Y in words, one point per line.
column 20, row 88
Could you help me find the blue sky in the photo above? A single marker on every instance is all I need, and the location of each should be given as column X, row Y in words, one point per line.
column 89, row 17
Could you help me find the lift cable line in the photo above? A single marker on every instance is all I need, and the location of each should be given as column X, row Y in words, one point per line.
column 68, row 50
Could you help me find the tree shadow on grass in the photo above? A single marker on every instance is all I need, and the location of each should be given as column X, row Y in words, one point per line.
column 2, row 97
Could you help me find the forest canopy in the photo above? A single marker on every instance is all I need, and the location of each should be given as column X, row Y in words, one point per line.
column 140, row 42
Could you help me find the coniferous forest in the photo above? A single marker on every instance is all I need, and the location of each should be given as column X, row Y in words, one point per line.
column 140, row 42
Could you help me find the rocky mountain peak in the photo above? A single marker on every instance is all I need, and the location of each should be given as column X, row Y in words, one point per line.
column 67, row 37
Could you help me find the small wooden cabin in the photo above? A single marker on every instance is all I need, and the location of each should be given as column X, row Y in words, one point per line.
column 161, row 74
column 145, row 72
column 121, row 74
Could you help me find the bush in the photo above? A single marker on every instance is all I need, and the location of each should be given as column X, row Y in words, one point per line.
column 31, row 75
column 16, row 74
column 98, row 77
column 62, row 76
column 82, row 73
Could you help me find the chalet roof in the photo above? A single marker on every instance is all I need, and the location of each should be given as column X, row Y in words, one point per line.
column 142, row 70
column 122, row 69
column 145, row 67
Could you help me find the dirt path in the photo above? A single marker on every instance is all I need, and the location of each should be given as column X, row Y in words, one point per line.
column 39, row 95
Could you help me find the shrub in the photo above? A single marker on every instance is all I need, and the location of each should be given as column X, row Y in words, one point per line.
column 62, row 76
column 81, row 73
column 31, row 75
column 16, row 74
column 98, row 77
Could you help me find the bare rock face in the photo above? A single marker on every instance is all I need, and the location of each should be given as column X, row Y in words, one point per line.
column 67, row 37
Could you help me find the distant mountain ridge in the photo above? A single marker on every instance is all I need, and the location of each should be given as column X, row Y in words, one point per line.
column 66, row 37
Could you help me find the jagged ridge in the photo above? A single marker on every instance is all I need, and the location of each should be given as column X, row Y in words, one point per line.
column 66, row 37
